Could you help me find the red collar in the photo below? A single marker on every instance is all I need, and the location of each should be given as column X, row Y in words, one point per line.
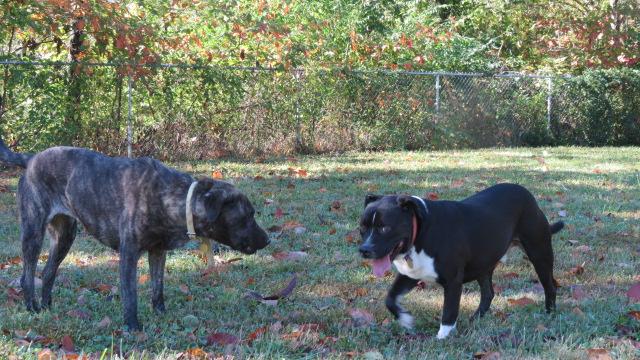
column 415, row 230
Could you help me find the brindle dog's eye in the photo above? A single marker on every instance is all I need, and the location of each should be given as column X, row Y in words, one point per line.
column 385, row 229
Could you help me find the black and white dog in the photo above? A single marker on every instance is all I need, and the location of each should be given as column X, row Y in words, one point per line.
column 131, row 205
column 451, row 243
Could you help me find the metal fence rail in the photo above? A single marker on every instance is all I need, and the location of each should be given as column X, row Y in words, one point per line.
column 181, row 111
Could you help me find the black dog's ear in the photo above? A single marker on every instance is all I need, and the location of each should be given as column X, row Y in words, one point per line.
column 369, row 198
column 213, row 201
column 413, row 202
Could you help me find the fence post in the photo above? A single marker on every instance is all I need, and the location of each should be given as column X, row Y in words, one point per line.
column 129, row 122
column 549, row 89
column 437, row 95
column 296, row 75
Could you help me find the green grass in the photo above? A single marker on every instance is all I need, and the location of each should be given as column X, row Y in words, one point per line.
column 598, row 188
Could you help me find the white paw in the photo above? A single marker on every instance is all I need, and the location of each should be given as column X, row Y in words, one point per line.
column 445, row 330
column 406, row 320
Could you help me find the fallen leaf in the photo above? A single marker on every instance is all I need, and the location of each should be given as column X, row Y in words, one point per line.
column 278, row 213
column 291, row 225
column 634, row 293
column 487, row 355
column 289, row 255
column 523, row 301
column 67, row 344
column 322, row 190
column 361, row 292
column 143, row 278
column 583, row 248
column 222, row 339
column 578, row 293
column 255, row 334
column 46, row 354
column 510, row 275
column 432, row 196
column 79, row 314
column 332, row 231
column 217, row 174
column 577, row 270
column 193, row 354
column 576, row 310
column 258, row 178
column 457, row 183
column 250, row 281
column 361, row 317
column 184, row 289
column 634, row 314
column 104, row 323
column 598, row 354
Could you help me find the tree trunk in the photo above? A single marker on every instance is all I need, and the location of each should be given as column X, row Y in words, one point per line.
column 72, row 119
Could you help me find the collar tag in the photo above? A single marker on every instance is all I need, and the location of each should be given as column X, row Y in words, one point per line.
column 409, row 260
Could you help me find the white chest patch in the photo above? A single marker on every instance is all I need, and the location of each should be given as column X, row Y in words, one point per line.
column 419, row 266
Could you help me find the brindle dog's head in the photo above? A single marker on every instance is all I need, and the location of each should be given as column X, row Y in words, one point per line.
column 386, row 227
column 222, row 213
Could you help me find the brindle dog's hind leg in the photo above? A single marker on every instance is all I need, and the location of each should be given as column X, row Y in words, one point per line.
column 62, row 230
column 32, row 224
column 157, row 259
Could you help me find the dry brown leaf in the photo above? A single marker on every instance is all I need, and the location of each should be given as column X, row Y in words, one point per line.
column 523, row 301
column 598, row 354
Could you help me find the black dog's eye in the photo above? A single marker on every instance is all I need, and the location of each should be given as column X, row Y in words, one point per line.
column 385, row 229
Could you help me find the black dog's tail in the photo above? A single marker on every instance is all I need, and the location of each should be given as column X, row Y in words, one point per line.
column 10, row 158
column 555, row 227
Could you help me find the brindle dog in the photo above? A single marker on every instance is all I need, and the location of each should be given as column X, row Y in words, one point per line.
column 130, row 205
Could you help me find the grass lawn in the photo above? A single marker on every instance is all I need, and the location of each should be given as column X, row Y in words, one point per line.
column 595, row 191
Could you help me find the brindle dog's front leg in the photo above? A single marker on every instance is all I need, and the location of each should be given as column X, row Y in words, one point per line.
column 129, row 254
column 401, row 285
column 157, row 259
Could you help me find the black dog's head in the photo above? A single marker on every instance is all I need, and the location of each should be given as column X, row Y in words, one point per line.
column 386, row 227
column 224, row 214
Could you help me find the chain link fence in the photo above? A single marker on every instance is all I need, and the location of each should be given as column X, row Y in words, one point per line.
column 194, row 112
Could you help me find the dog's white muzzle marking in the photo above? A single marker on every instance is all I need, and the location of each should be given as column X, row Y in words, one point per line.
column 445, row 330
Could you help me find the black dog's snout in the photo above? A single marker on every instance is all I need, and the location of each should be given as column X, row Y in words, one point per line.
column 366, row 251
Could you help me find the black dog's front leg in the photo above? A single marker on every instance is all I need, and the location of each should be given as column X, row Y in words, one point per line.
column 157, row 259
column 401, row 285
column 129, row 254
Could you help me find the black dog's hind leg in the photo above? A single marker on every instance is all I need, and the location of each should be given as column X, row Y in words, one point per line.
column 486, row 296
column 129, row 255
column 401, row 285
column 452, row 294
column 62, row 230
column 542, row 260
column 535, row 237
column 157, row 259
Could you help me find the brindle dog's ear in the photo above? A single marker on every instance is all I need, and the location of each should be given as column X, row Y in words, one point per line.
column 213, row 201
column 369, row 198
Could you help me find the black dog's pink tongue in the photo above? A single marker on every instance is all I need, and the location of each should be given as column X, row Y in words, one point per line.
column 380, row 266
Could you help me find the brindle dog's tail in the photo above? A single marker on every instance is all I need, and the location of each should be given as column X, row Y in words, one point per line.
column 8, row 157
column 557, row 226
